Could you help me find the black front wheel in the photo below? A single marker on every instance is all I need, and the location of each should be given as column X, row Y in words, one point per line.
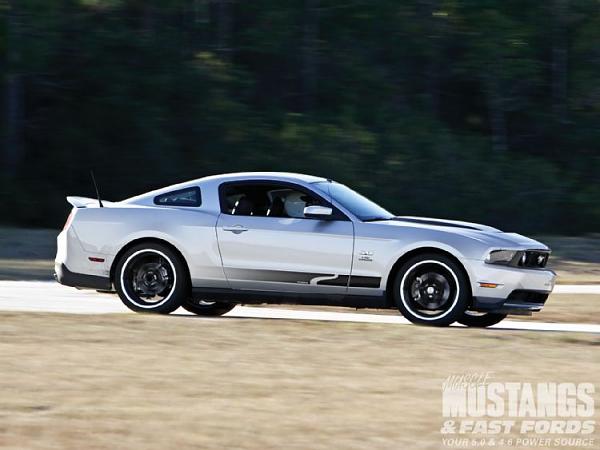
column 207, row 308
column 432, row 289
column 480, row 319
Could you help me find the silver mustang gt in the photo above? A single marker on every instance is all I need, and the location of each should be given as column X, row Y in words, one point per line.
column 211, row 243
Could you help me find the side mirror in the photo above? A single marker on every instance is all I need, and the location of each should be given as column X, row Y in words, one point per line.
column 318, row 212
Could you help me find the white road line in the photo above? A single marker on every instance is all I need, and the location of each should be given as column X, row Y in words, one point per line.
column 44, row 296
column 576, row 289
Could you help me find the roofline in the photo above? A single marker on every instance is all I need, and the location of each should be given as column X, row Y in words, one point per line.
column 259, row 175
column 276, row 176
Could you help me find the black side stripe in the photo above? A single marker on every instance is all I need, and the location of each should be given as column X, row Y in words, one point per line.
column 366, row 282
column 340, row 280
column 355, row 281
column 282, row 276
column 278, row 276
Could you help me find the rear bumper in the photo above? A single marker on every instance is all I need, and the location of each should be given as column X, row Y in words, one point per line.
column 80, row 280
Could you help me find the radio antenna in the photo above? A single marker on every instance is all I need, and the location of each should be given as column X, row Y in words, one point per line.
column 96, row 187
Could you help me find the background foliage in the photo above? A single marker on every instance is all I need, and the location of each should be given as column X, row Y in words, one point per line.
column 484, row 110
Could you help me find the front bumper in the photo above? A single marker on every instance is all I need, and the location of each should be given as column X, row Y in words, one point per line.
column 520, row 301
column 518, row 291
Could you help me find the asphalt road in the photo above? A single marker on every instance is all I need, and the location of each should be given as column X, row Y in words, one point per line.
column 49, row 296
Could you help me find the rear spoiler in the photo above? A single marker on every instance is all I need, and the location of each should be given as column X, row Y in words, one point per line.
column 86, row 202
column 83, row 202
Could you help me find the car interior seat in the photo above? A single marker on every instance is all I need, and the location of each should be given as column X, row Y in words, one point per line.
column 243, row 207
column 277, row 208
column 294, row 205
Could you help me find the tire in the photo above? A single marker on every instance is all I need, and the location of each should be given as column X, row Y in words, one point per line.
column 480, row 320
column 152, row 278
column 207, row 308
column 432, row 289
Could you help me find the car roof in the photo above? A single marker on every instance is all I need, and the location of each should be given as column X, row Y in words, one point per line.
column 282, row 176
column 275, row 176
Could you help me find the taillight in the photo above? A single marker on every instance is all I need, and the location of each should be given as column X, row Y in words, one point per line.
column 69, row 219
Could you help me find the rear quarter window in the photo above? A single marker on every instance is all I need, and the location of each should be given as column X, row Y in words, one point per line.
column 182, row 197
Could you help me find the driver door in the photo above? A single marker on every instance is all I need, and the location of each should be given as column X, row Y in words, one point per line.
column 267, row 244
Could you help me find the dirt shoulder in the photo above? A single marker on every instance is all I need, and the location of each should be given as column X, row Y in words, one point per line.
column 576, row 259
column 148, row 382
column 27, row 254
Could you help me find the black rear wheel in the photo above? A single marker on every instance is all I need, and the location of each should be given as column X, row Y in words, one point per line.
column 151, row 277
column 480, row 319
column 207, row 308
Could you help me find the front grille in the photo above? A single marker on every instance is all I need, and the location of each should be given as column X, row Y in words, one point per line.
column 523, row 295
column 533, row 258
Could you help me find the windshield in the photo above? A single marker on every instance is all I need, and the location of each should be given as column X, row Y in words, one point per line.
column 360, row 206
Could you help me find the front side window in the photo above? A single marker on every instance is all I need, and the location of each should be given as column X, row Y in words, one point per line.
column 361, row 207
column 265, row 200
column 182, row 197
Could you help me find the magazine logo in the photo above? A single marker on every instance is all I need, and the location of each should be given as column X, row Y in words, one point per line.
column 476, row 406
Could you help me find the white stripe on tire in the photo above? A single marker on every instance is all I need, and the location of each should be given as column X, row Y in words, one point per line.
column 154, row 305
column 429, row 261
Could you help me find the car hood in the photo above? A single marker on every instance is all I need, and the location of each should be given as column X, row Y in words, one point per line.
column 486, row 235
column 446, row 223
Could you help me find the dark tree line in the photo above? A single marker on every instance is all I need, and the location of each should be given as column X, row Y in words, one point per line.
column 485, row 110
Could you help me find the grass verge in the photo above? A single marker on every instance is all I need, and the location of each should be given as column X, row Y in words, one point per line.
column 151, row 382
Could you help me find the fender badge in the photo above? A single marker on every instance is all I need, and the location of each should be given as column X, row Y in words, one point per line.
column 365, row 256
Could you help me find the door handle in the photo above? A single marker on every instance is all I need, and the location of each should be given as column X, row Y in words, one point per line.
column 236, row 229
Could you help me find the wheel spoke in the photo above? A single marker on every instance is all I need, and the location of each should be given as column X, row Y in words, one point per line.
column 428, row 289
column 149, row 278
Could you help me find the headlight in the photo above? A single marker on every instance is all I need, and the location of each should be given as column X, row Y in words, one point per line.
column 501, row 256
